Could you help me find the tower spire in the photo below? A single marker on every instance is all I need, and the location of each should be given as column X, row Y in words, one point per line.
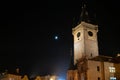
column 84, row 15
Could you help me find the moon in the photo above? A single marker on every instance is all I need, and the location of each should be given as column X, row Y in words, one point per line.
column 56, row 37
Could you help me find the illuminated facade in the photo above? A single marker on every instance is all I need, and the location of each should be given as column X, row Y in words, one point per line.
column 48, row 77
column 17, row 76
column 11, row 77
column 88, row 64
column 85, row 41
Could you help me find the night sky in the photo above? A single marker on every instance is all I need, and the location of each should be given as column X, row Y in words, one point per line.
column 28, row 30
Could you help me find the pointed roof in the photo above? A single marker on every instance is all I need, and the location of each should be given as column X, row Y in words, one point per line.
column 84, row 15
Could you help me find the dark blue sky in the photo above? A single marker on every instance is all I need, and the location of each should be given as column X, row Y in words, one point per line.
column 28, row 29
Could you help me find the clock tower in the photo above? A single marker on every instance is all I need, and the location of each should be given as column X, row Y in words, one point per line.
column 85, row 38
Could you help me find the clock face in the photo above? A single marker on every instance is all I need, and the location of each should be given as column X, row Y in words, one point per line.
column 78, row 34
column 90, row 33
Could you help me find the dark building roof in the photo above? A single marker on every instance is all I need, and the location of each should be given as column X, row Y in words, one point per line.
column 106, row 59
column 14, row 72
column 100, row 58
column 32, row 78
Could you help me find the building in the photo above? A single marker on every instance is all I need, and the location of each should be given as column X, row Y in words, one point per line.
column 10, row 76
column 25, row 77
column 7, row 75
column 47, row 77
column 87, row 64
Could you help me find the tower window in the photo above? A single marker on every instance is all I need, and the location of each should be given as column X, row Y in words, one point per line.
column 98, row 78
column 91, row 54
column 98, row 68
column 78, row 35
column 90, row 33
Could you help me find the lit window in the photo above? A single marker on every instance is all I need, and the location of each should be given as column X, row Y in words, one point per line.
column 112, row 78
column 112, row 69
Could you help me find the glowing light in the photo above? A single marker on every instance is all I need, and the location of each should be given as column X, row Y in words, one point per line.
column 56, row 37
column 51, row 78
column 61, row 78
column 112, row 78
